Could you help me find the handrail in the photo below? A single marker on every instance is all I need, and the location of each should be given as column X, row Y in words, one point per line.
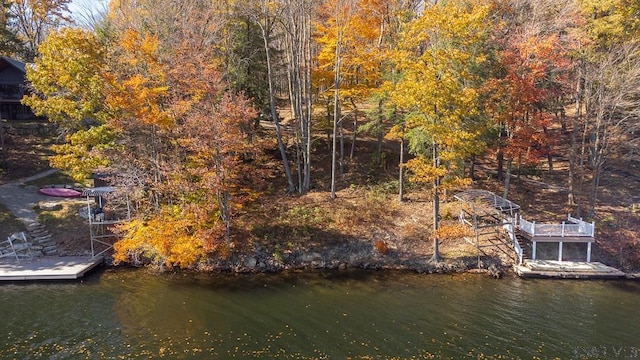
column 576, row 228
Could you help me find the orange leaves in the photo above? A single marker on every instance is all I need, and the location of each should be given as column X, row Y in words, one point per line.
column 352, row 31
column 452, row 231
column 185, row 139
column 534, row 67
column 138, row 86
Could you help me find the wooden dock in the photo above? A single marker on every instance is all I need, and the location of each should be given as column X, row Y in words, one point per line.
column 567, row 270
column 48, row 268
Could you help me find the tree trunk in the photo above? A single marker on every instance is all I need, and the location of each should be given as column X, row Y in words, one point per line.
column 401, row 172
column 573, row 153
column 507, row 179
column 336, row 114
column 500, row 160
column 379, row 128
column 436, row 207
column 355, row 130
column 472, row 168
column 549, row 150
column 298, row 52
column 341, row 159
column 274, row 110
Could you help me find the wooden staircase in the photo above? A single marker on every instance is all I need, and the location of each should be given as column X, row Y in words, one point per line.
column 525, row 244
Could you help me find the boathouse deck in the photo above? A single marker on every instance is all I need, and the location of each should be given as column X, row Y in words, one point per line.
column 496, row 219
column 48, row 268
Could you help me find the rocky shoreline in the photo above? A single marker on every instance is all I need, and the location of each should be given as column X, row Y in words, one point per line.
column 346, row 257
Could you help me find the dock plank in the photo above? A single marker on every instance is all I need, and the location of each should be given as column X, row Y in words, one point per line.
column 48, row 268
column 568, row 270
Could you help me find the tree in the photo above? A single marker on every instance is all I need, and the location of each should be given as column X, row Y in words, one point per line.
column 438, row 59
column 297, row 49
column 192, row 151
column 339, row 14
column 33, row 20
column 351, row 65
column 530, row 81
column 67, row 79
column 266, row 14
column 158, row 111
column 9, row 43
column 608, row 87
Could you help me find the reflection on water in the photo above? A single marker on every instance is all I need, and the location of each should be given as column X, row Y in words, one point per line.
column 372, row 315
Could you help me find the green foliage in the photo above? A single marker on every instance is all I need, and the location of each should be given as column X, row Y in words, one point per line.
column 245, row 61
column 8, row 223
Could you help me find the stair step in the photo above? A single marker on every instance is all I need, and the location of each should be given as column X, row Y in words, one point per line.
column 34, row 227
column 43, row 238
column 48, row 243
column 47, row 249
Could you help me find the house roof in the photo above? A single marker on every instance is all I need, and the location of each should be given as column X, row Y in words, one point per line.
column 7, row 62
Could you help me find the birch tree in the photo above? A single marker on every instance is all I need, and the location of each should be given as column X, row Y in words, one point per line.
column 297, row 26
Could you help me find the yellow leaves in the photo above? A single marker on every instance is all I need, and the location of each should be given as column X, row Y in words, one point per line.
column 423, row 171
column 396, row 132
column 349, row 35
column 437, row 59
column 610, row 21
column 82, row 153
column 67, row 77
column 167, row 238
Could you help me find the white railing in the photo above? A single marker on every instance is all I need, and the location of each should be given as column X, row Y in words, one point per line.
column 575, row 227
column 584, row 227
column 528, row 227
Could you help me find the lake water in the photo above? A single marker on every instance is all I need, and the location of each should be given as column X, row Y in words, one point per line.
column 125, row 314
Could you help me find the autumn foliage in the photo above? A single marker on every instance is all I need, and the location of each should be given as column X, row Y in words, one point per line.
column 154, row 95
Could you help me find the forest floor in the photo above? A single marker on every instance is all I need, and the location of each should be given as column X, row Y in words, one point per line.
column 366, row 226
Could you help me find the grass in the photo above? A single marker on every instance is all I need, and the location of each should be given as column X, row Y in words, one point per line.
column 58, row 178
column 8, row 223
column 66, row 226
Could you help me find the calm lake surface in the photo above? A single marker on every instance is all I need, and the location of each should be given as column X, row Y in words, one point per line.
column 331, row 315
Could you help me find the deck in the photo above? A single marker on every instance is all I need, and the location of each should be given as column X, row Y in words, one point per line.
column 567, row 270
column 48, row 268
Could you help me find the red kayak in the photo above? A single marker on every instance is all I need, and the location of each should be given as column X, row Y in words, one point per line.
column 60, row 192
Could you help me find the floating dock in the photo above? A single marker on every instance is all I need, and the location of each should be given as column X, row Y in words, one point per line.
column 567, row 270
column 48, row 268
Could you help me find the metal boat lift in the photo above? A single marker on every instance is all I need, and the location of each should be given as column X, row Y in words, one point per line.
column 100, row 218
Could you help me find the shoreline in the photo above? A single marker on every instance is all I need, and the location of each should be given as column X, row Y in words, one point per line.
column 264, row 263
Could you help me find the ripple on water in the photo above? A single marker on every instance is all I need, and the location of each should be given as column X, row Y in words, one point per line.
column 133, row 314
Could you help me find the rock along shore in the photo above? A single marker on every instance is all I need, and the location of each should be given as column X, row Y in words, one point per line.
column 347, row 257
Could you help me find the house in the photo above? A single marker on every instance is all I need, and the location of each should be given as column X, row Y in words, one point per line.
column 12, row 89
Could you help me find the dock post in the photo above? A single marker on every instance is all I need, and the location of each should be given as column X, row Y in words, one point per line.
column 560, row 251
column 588, row 252
column 533, row 250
